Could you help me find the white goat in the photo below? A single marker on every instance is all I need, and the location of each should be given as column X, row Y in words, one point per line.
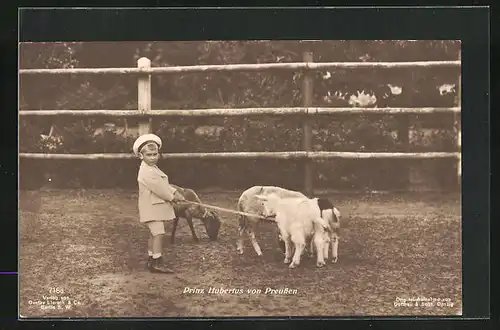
column 250, row 204
column 298, row 219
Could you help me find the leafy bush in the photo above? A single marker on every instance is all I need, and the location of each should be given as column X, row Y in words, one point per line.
column 332, row 88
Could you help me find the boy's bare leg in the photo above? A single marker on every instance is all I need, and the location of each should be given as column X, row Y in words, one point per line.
column 157, row 265
column 157, row 243
column 150, row 251
column 150, row 245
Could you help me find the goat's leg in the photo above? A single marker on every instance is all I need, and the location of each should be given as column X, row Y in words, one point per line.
column 308, row 249
column 193, row 233
column 335, row 248
column 281, row 242
column 319, row 243
column 288, row 249
column 174, row 228
column 241, row 231
column 326, row 247
column 311, row 248
column 299, row 248
column 251, row 234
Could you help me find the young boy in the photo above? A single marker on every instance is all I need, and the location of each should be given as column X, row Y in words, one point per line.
column 156, row 196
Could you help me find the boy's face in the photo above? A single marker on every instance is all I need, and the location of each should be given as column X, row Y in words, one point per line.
column 150, row 154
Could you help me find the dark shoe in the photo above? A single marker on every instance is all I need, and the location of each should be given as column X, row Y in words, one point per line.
column 150, row 261
column 157, row 266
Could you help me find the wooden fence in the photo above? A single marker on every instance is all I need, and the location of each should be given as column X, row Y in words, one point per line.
column 145, row 113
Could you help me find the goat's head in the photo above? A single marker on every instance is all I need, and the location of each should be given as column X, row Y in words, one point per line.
column 328, row 210
column 269, row 204
column 332, row 217
column 211, row 220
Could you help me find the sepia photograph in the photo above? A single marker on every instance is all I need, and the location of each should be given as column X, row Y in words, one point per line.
column 240, row 178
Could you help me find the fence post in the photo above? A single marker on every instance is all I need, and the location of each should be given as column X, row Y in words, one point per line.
column 307, row 92
column 458, row 122
column 144, row 95
column 404, row 140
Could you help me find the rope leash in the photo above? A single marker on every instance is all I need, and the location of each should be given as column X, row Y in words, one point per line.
column 228, row 210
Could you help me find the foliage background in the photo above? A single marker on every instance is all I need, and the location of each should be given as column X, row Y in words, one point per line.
column 420, row 87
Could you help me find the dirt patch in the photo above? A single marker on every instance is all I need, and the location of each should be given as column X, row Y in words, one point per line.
column 92, row 247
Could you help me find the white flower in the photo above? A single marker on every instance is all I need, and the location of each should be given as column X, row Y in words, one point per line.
column 337, row 96
column 395, row 90
column 327, row 97
column 365, row 57
column 340, row 96
column 446, row 89
column 362, row 99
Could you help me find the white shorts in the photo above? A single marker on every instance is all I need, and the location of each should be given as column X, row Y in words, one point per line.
column 156, row 227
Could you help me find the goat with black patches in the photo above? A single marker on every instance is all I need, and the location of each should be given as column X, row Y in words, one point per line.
column 248, row 203
column 332, row 215
column 298, row 220
column 188, row 211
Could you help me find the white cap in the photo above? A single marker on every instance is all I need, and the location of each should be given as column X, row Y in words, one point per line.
column 143, row 140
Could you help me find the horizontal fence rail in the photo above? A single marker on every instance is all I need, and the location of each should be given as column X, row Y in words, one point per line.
column 242, row 67
column 144, row 111
column 317, row 155
column 237, row 112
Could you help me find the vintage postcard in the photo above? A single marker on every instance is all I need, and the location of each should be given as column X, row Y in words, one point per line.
column 244, row 178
